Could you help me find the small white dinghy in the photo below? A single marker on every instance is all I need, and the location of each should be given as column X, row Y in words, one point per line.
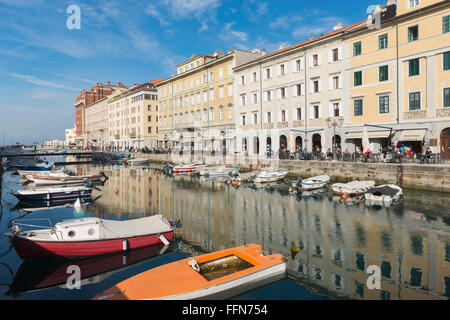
column 138, row 162
column 265, row 176
column 313, row 183
column 384, row 195
column 354, row 188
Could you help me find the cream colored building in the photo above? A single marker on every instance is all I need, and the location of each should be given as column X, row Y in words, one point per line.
column 398, row 76
column 132, row 117
column 197, row 104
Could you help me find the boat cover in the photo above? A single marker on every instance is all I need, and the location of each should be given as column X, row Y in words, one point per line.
column 383, row 191
column 134, row 228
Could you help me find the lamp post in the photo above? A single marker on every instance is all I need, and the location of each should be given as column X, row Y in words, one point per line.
column 334, row 122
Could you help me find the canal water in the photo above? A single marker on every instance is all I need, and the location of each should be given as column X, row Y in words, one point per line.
column 337, row 241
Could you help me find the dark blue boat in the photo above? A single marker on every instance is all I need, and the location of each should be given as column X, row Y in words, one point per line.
column 54, row 194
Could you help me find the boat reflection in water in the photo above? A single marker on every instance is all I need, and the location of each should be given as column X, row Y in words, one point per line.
column 35, row 275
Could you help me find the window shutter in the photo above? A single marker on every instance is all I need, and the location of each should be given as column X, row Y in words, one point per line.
column 279, row 93
column 340, row 54
column 303, row 113
column 311, row 112
column 330, row 55
column 330, row 110
column 330, row 83
column 320, row 112
column 320, row 85
column 340, row 81
column 311, row 61
column 319, row 59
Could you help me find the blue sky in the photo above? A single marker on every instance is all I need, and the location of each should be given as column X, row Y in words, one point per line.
column 44, row 65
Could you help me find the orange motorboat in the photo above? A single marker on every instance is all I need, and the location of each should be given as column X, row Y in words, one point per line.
column 217, row 275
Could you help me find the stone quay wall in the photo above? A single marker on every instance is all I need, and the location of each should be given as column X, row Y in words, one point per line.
column 427, row 177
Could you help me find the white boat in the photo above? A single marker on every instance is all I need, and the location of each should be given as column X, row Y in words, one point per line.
column 313, row 183
column 265, row 176
column 385, row 194
column 354, row 188
column 218, row 172
column 55, row 173
column 138, row 162
column 63, row 179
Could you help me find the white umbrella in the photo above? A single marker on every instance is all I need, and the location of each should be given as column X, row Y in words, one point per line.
column 365, row 140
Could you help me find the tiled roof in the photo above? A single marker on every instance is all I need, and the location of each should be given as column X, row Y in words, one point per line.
column 156, row 81
column 305, row 42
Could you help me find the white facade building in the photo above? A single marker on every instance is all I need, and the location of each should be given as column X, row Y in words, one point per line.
column 290, row 99
column 70, row 136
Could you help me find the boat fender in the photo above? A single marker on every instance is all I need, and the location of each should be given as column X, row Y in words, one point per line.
column 16, row 229
column 164, row 240
column 125, row 244
column 194, row 265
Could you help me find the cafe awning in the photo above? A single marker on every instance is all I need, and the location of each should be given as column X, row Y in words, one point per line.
column 413, row 135
column 372, row 135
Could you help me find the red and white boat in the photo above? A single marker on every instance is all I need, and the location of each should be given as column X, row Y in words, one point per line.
column 187, row 169
column 89, row 237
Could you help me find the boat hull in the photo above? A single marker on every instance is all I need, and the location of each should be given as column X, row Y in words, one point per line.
column 27, row 249
column 54, row 197
column 186, row 282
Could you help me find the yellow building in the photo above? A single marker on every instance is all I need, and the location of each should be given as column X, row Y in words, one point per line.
column 398, row 76
column 196, row 105
column 132, row 117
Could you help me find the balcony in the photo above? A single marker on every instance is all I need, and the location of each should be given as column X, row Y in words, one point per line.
column 282, row 125
column 268, row 126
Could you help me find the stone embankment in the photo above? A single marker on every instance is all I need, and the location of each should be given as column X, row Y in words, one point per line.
column 427, row 177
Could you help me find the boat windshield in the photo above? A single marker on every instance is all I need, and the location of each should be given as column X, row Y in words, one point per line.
column 222, row 267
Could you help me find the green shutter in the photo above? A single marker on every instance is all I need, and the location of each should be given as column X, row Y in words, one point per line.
column 446, row 24
column 447, row 60
column 357, row 78
column 383, row 73
column 414, row 69
column 446, row 97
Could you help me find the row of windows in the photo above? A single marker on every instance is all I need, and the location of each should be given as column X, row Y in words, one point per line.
column 194, row 83
column 413, row 104
column 413, row 70
column 315, row 113
column 413, row 35
column 196, row 116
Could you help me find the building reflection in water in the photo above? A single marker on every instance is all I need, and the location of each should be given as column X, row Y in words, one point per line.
column 337, row 241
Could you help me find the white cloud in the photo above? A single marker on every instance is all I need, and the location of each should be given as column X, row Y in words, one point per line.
column 185, row 9
column 152, row 11
column 230, row 35
column 263, row 8
column 40, row 82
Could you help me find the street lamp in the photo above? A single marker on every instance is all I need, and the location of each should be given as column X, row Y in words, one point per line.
column 334, row 122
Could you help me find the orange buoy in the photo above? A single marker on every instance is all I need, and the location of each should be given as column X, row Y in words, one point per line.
column 116, row 191
column 344, row 196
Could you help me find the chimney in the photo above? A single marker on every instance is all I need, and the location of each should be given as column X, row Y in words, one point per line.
column 218, row 54
column 255, row 51
column 338, row 26
column 263, row 52
column 281, row 46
